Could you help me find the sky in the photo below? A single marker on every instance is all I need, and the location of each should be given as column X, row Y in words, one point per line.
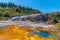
column 44, row 6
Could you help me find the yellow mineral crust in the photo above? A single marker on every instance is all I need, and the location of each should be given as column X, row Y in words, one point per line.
column 19, row 33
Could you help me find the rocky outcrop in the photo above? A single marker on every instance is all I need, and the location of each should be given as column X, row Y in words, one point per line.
column 35, row 18
column 38, row 18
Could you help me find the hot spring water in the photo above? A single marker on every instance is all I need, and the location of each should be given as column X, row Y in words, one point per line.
column 44, row 34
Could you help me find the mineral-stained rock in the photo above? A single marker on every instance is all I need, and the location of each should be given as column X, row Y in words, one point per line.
column 37, row 18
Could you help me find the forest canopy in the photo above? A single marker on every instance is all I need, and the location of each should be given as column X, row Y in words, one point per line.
column 8, row 10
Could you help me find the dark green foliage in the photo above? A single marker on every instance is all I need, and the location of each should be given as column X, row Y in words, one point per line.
column 58, row 27
column 53, row 17
column 8, row 10
column 6, row 15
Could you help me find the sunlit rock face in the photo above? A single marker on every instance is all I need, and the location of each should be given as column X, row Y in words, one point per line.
column 45, row 18
column 33, row 17
column 21, row 33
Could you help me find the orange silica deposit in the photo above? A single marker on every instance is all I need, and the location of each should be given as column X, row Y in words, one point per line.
column 19, row 33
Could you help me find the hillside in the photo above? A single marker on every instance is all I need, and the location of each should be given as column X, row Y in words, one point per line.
column 49, row 18
column 8, row 10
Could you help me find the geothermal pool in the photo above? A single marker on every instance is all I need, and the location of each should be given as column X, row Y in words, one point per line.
column 46, row 35
column 43, row 34
column 21, row 33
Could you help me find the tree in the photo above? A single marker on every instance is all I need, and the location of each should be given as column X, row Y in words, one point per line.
column 53, row 18
column 58, row 27
column 8, row 10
